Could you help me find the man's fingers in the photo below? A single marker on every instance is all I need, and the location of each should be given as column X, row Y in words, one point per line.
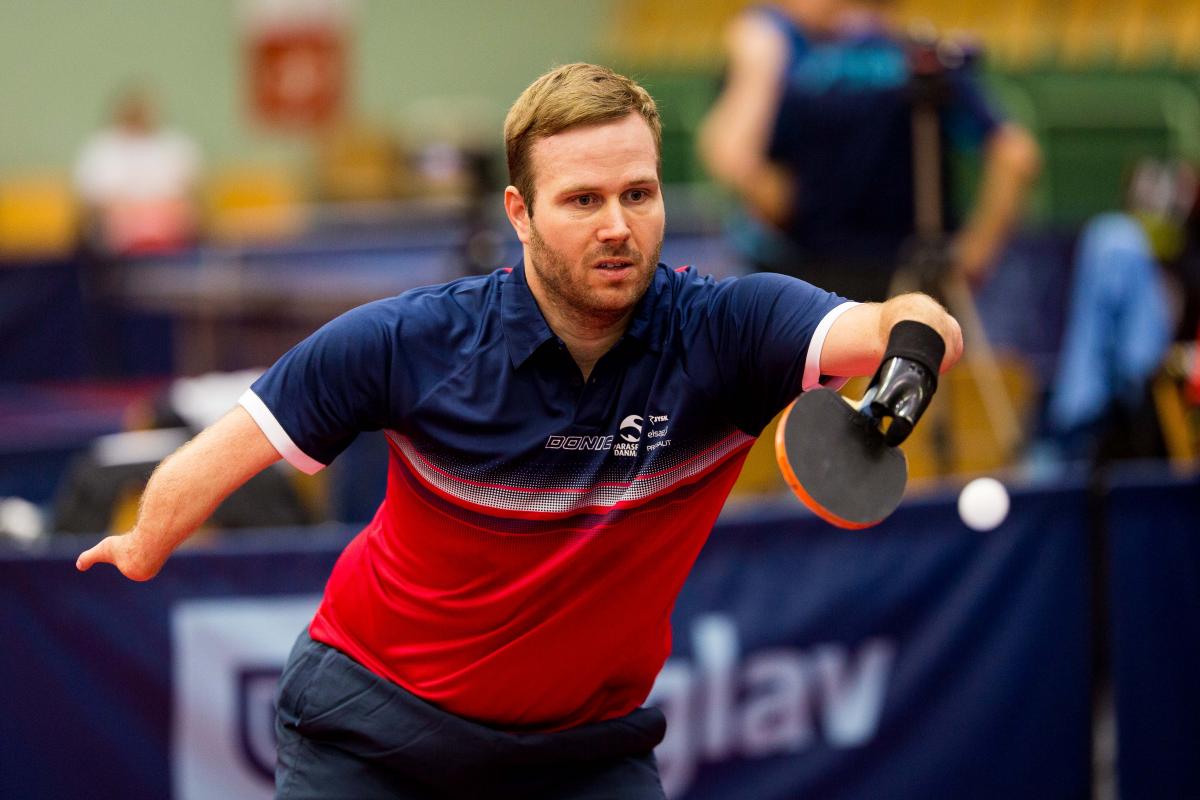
column 102, row 551
column 120, row 552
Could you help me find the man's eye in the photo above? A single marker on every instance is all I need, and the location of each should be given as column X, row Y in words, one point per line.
column 584, row 200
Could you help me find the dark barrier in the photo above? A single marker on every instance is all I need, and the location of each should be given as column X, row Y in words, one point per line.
column 42, row 321
column 1155, row 568
column 918, row 659
column 91, row 665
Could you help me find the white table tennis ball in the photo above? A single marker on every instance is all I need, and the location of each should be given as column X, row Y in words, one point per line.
column 983, row 504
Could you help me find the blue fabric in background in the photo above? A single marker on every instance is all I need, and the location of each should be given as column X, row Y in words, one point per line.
column 1118, row 325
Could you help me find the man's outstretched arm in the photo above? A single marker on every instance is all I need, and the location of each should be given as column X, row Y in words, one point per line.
column 735, row 135
column 858, row 339
column 1012, row 162
column 183, row 491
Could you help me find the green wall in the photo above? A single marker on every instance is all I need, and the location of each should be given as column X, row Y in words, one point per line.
column 62, row 60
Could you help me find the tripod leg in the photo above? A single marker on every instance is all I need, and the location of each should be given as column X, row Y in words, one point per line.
column 929, row 223
column 982, row 364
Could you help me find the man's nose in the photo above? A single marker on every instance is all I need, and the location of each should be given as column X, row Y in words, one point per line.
column 613, row 225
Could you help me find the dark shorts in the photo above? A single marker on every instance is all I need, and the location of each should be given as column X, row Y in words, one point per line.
column 344, row 732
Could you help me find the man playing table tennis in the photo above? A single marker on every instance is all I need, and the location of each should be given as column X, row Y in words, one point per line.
column 563, row 435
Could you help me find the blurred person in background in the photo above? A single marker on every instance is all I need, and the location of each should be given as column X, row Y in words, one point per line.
column 1135, row 286
column 137, row 180
column 813, row 131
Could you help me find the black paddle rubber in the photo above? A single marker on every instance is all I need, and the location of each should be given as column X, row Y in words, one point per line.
column 836, row 461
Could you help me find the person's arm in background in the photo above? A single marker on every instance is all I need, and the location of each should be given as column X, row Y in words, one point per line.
column 735, row 135
column 1011, row 164
column 858, row 339
column 183, row 492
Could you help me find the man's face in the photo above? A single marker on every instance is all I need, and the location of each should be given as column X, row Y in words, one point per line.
column 137, row 114
column 596, row 230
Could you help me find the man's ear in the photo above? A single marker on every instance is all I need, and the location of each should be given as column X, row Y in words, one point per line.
column 518, row 213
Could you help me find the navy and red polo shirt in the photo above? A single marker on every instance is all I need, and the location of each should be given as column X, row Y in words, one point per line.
column 537, row 527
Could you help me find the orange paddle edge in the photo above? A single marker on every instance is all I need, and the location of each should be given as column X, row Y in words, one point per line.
column 798, row 489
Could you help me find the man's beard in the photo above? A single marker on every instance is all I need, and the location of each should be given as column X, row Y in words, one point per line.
column 569, row 291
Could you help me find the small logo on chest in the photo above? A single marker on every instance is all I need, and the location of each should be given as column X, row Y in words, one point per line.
column 624, row 443
column 631, row 434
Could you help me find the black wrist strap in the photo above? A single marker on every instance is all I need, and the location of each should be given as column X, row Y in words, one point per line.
column 917, row 342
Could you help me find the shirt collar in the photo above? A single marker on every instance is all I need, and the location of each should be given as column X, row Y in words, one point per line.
column 649, row 320
column 525, row 329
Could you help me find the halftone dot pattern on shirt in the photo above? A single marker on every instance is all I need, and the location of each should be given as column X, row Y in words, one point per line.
column 544, row 492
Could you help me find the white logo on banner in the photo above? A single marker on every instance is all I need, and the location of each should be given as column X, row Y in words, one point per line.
column 720, row 705
column 228, row 655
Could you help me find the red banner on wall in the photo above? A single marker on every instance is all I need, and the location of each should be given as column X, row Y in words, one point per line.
column 297, row 74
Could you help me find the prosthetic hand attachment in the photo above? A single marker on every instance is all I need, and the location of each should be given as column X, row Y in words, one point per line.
column 906, row 379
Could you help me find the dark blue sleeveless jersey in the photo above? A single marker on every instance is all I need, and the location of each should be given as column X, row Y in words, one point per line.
column 844, row 130
column 536, row 528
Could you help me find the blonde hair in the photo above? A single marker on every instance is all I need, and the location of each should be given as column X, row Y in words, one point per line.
column 567, row 96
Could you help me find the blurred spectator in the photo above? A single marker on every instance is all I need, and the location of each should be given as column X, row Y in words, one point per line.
column 813, row 130
column 137, row 180
column 1135, row 285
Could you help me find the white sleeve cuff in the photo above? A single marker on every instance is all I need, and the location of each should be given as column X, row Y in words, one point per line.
column 277, row 436
column 812, row 363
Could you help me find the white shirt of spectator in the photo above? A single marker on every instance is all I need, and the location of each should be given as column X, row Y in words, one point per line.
column 119, row 166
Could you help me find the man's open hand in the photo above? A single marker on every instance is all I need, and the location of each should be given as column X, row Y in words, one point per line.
column 125, row 553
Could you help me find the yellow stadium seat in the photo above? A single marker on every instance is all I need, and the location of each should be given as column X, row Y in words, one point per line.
column 663, row 34
column 760, row 474
column 1178, row 418
column 1144, row 35
column 361, row 160
column 1091, row 32
column 1185, row 34
column 39, row 217
column 251, row 203
column 958, row 416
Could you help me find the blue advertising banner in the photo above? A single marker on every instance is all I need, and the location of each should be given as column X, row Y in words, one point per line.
column 1154, row 531
column 916, row 659
column 90, row 661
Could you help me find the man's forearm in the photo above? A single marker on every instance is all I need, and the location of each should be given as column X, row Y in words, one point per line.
column 768, row 191
column 922, row 308
column 184, row 491
column 856, row 342
column 734, row 154
column 1011, row 165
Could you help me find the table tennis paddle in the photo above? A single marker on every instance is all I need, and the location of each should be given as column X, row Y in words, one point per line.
column 843, row 462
